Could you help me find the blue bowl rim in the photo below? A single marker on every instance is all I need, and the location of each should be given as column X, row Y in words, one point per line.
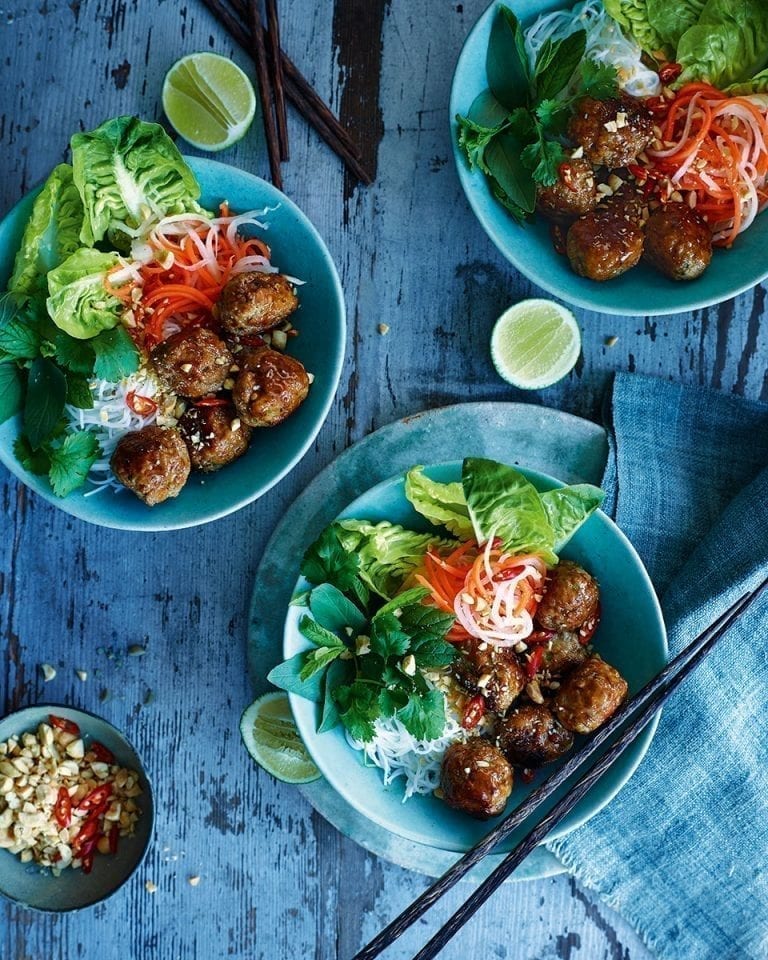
column 147, row 785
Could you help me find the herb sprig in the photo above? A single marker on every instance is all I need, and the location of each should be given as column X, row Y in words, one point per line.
column 511, row 131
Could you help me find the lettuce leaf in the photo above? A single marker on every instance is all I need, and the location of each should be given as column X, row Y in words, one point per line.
column 443, row 504
column 388, row 553
column 79, row 303
column 671, row 18
column 568, row 507
column 756, row 84
column 51, row 235
column 633, row 16
column 127, row 170
column 729, row 44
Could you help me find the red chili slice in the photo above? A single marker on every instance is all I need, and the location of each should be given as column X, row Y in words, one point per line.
column 534, row 662
column 565, row 170
column 658, row 106
column 86, row 853
column 669, row 72
column 474, row 712
column 142, row 406
column 86, row 833
column 102, row 753
column 62, row 809
column 540, row 636
column 639, row 173
column 509, row 574
column 114, row 837
column 61, row 723
column 211, row 402
column 94, row 799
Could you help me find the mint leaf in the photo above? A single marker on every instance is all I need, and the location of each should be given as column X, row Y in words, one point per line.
column 19, row 340
column 44, row 406
column 71, row 461
column 474, row 138
column 75, row 355
column 600, row 80
column 35, row 461
column 387, row 638
column 557, row 62
column 315, row 660
column 424, row 716
column 78, row 392
column 423, row 623
column 358, row 705
column 116, row 355
column 10, row 390
column 318, row 635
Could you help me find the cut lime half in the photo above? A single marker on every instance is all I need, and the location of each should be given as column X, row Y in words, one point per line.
column 208, row 100
column 271, row 738
column 535, row 343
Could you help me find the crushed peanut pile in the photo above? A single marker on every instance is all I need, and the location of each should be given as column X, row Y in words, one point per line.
column 62, row 801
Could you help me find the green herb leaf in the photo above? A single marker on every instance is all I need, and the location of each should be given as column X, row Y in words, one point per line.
column 506, row 62
column 516, row 211
column 387, row 639
column 334, row 611
column 401, row 600
column 10, row 390
column 46, row 395
column 116, row 355
column 358, row 705
column 557, row 62
column 543, row 159
column 427, row 627
column 71, row 461
column 553, row 116
column 19, row 340
column 599, row 80
column 503, row 158
column 300, row 599
column 287, row 676
column 392, row 700
column 78, row 392
column 75, row 355
column 326, row 561
column 338, row 672
column 319, row 635
column 473, row 139
column 35, row 461
column 315, row 660
column 424, row 716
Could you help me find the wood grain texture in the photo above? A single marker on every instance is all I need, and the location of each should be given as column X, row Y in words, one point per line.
column 277, row 881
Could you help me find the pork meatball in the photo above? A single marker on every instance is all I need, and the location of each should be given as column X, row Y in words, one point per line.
column 678, row 241
column 192, row 362
column 270, row 386
column 493, row 672
column 589, row 696
column 476, row 778
column 604, row 244
column 563, row 652
column 152, row 462
column 252, row 303
column 530, row 736
column 612, row 132
column 574, row 193
column 214, row 435
column 571, row 598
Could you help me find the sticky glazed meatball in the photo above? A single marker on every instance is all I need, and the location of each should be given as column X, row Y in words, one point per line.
column 563, row 653
column 269, row 387
column 214, row 435
column 476, row 778
column 612, row 132
column 491, row 671
column 252, row 303
column 571, row 598
column 589, row 696
column 530, row 736
column 604, row 244
column 192, row 362
column 574, row 193
column 152, row 462
column 678, row 241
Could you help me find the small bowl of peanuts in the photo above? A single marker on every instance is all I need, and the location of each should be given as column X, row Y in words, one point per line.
column 76, row 810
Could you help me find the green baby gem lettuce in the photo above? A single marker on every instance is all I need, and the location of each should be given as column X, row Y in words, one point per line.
column 51, row 235
column 729, row 44
column 443, row 504
column 633, row 16
column 79, row 302
column 568, row 507
column 126, row 171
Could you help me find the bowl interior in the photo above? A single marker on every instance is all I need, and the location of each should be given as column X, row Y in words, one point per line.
column 631, row 636
column 639, row 292
column 297, row 250
column 36, row 887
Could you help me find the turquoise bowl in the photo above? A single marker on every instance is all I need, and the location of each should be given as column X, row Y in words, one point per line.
column 36, row 887
column 299, row 251
column 639, row 292
column 631, row 636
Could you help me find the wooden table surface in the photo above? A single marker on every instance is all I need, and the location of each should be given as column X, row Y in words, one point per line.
column 277, row 881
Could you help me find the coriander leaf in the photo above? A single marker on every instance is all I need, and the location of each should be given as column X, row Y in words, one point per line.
column 334, row 611
column 392, row 700
column 393, row 676
column 287, row 676
column 316, row 660
column 35, row 461
column 371, row 666
column 387, row 638
column 116, row 355
column 78, row 392
column 600, row 80
column 319, row 635
column 521, row 123
column 44, row 406
column 558, row 64
column 473, row 140
column 503, row 157
column 338, row 672
column 506, row 62
column 543, row 159
column 71, row 461
column 326, row 561
column 19, row 340
column 75, row 355
column 424, row 716
column 553, row 115
column 358, row 705
column 10, row 390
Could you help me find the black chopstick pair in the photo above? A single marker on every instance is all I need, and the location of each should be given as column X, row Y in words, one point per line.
column 636, row 713
column 269, row 73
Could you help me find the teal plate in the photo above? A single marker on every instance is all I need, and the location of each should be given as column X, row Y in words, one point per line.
column 547, row 440
column 298, row 250
column 639, row 292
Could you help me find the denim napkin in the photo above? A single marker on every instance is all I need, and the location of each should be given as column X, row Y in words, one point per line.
column 682, row 852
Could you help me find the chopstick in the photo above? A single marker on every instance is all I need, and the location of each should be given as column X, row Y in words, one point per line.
column 259, row 53
column 298, row 90
column 641, row 708
column 275, row 60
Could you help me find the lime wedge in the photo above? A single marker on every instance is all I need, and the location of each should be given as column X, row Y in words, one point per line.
column 208, row 100
column 271, row 738
column 535, row 343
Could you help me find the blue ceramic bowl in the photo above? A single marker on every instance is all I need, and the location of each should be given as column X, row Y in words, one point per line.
column 639, row 292
column 298, row 251
column 631, row 636
column 36, row 887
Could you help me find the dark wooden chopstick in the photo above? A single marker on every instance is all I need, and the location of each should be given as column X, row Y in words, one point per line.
column 642, row 707
column 276, row 63
column 259, row 54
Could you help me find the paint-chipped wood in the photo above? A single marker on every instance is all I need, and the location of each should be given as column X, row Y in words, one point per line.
column 276, row 880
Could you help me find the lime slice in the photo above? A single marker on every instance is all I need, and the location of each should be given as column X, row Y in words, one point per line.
column 208, row 100
column 535, row 343
column 271, row 738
